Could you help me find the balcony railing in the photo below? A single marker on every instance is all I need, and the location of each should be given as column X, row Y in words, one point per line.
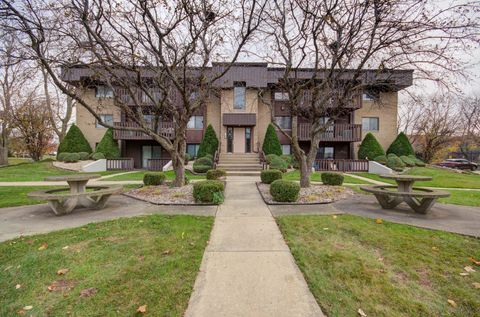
column 343, row 132
column 339, row 165
column 165, row 128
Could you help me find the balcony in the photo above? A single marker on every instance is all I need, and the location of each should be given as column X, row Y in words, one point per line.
column 165, row 128
column 341, row 132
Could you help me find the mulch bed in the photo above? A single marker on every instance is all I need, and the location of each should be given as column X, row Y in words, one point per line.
column 313, row 195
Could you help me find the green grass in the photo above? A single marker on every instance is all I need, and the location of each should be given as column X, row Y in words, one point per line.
column 18, row 160
column 316, row 177
column 441, row 178
column 30, row 172
column 151, row 260
column 385, row 269
column 138, row 176
column 462, row 197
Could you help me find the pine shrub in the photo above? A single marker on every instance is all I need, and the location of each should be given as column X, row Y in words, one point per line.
column 270, row 157
column 154, row 178
column 401, row 146
column 333, row 179
column 74, row 142
column 395, row 163
column 209, row 143
column 407, row 160
column 382, row 159
column 418, row 162
column 108, row 146
column 97, row 156
column 269, row 176
column 279, row 164
column 284, row 191
column 271, row 143
column 370, row 148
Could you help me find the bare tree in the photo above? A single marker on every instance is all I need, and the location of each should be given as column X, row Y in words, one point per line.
column 470, row 124
column 31, row 122
column 152, row 55
column 338, row 39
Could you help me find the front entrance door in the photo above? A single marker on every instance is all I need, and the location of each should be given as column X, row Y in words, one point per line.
column 239, row 140
column 150, row 152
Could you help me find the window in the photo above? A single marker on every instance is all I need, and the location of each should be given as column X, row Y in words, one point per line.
column 369, row 96
column 192, row 149
column 195, row 122
column 326, row 152
column 103, row 92
column 286, row 149
column 284, row 122
column 370, row 124
column 106, row 118
column 239, row 95
column 280, row 95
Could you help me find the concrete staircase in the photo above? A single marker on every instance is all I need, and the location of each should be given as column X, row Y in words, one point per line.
column 240, row 164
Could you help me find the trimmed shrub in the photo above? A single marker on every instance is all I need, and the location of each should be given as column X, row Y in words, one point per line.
column 370, row 148
column 279, row 164
column 288, row 159
column 188, row 157
column 270, row 157
column 395, row 163
column 61, row 156
column 108, row 146
column 204, row 161
column 202, row 165
column 407, row 160
column 401, row 146
column 418, row 162
column 84, row 156
column 72, row 157
column 284, row 191
column 334, row 179
column 154, row 178
column 210, row 156
column 204, row 191
column 216, row 174
column 268, row 176
column 209, row 143
column 382, row 159
column 97, row 156
column 271, row 143
column 74, row 142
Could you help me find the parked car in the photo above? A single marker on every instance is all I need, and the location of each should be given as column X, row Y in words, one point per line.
column 462, row 164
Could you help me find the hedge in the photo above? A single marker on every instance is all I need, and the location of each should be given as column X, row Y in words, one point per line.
column 408, row 161
column 418, row 162
column 204, row 191
column 72, row 157
column 395, row 163
column 74, row 142
column 84, row 156
column 108, row 146
column 370, row 148
column 154, row 178
column 382, row 159
column 279, row 164
column 271, row 143
column 209, row 143
column 284, row 191
column 268, row 176
column 61, row 156
column 202, row 165
column 334, row 179
column 216, row 174
column 97, row 156
column 401, row 146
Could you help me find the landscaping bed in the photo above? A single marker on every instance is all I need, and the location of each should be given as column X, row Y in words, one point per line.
column 315, row 194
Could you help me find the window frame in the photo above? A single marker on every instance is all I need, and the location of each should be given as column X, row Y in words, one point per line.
column 194, row 118
column 239, row 86
column 103, row 115
column 283, row 96
column 196, row 147
column 107, row 92
column 281, row 121
column 289, row 149
column 368, row 129
column 321, row 155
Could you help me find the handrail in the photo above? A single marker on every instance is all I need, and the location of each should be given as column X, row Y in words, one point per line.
column 263, row 161
column 215, row 159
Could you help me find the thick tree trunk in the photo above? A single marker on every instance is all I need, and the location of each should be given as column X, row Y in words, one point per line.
column 3, row 155
column 179, row 168
column 305, row 172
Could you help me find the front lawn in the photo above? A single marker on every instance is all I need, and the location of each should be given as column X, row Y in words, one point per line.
column 441, row 178
column 138, row 176
column 462, row 197
column 113, row 268
column 386, row 269
column 25, row 172
column 316, row 177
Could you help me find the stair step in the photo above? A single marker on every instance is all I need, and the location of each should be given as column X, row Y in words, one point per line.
column 225, row 164
column 243, row 173
column 239, row 161
column 241, row 168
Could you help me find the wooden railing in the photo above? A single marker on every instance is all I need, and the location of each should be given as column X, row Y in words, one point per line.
column 120, row 164
column 261, row 157
column 166, row 128
column 157, row 164
column 345, row 132
column 341, row 165
column 216, row 158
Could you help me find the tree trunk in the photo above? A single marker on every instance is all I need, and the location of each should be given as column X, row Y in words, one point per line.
column 3, row 155
column 305, row 172
column 179, row 168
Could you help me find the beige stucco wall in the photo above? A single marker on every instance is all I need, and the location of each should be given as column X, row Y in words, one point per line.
column 86, row 121
column 386, row 109
column 213, row 116
column 264, row 118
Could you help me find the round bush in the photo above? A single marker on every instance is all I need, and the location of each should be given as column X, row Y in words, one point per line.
column 97, row 156
column 204, row 161
column 201, row 168
column 279, row 164
column 202, row 165
column 334, row 179
column 154, row 178
column 72, row 157
column 84, row 156
column 268, row 176
column 418, row 162
column 216, row 174
column 407, row 160
column 284, row 191
column 204, row 191
column 288, row 159
column 210, row 156
column 61, row 156
column 395, row 163
column 270, row 157
column 382, row 159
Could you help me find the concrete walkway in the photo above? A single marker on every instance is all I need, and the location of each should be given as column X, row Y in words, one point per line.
column 247, row 269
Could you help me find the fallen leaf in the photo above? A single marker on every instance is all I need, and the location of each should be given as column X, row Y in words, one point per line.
column 61, row 286
column 62, row 271
column 183, row 234
column 361, row 313
column 334, row 216
column 452, row 302
column 65, row 247
column 379, row 221
column 43, row 246
column 475, row 261
column 8, row 268
column 469, row 269
column 166, row 252
column 476, row 285
column 464, row 274
column 18, row 286
column 21, row 312
column 87, row 292
column 142, row 309
column 380, row 259
column 84, row 229
column 325, row 228
column 141, row 258
column 434, row 248
column 27, row 308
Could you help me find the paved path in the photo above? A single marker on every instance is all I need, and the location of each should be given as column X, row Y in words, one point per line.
column 247, row 269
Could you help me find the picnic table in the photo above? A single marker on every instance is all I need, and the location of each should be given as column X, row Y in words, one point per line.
column 419, row 199
column 64, row 200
